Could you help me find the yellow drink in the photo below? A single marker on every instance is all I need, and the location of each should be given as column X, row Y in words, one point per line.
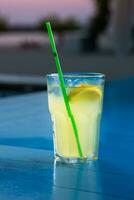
column 86, row 104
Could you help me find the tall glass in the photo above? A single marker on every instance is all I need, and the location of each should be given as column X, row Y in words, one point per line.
column 85, row 95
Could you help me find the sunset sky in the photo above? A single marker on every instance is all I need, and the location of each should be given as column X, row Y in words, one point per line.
column 30, row 11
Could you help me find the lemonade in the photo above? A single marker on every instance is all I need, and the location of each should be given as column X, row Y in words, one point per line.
column 85, row 100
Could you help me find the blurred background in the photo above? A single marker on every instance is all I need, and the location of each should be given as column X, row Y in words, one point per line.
column 91, row 35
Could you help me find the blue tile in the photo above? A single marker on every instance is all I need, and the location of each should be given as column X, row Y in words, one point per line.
column 114, row 183
column 27, row 170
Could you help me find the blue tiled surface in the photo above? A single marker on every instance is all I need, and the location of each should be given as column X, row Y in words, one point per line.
column 27, row 169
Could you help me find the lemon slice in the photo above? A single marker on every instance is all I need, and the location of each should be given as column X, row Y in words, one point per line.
column 85, row 92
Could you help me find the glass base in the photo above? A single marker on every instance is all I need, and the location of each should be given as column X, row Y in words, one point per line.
column 74, row 160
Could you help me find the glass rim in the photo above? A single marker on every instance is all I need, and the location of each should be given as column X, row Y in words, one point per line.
column 78, row 75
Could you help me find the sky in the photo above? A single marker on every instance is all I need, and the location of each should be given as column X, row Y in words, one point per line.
column 31, row 11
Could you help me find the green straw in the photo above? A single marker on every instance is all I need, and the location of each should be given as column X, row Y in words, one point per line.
column 62, row 84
